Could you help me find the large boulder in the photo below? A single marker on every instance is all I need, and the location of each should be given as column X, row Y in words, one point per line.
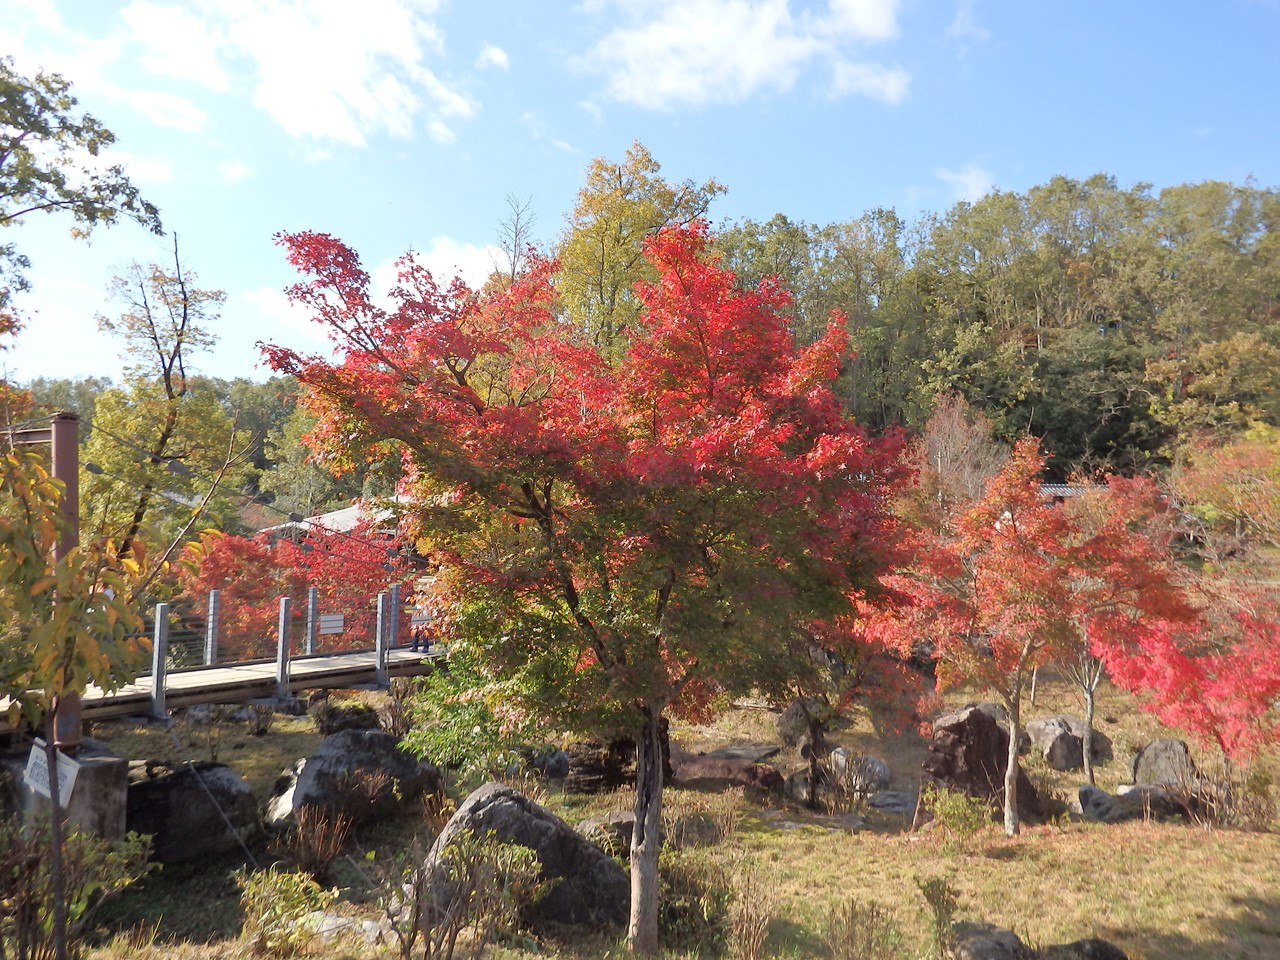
column 362, row 772
column 191, row 812
column 601, row 766
column 590, row 889
column 1164, row 763
column 719, row 770
column 985, row 941
column 1061, row 740
column 1131, row 803
column 804, row 718
column 968, row 752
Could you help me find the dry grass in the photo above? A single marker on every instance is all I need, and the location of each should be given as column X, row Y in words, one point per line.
column 1159, row 891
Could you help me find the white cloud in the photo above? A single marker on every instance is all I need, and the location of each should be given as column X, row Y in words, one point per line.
column 163, row 109
column 970, row 184
column 491, row 56
column 324, row 70
column 965, row 29
column 697, row 52
column 533, row 122
column 446, row 258
column 871, row 80
column 273, row 318
column 233, row 171
column 439, row 131
column 335, row 70
column 178, row 44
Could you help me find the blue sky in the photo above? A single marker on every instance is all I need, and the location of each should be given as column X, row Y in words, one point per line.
column 398, row 124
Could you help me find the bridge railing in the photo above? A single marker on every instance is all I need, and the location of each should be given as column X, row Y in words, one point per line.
column 172, row 630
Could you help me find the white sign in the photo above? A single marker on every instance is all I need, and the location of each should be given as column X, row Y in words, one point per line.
column 37, row 774
column 331, row 623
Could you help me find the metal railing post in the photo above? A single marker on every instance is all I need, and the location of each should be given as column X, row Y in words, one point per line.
column 211, row 628
column 159, row 661
column 282, row 649
column 393, row 640
column 380, row 641
column 313, row 618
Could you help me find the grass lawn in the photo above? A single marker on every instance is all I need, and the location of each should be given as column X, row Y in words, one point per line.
column 1160, row 891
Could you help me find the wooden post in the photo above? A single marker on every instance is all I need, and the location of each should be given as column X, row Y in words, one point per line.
column 313, row 618
column 282, row 649
column 159, row 661
column 380, row 641
column 211, row 628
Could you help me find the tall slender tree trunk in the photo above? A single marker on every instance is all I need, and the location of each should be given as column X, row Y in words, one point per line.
column 1086, row 737
column 642, row 933
column 57, row 878
column 1011, row 766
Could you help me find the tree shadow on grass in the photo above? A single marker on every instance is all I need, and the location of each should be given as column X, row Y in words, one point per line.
column 1251, row 933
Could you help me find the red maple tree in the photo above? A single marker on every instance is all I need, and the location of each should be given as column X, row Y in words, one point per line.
column 1016, row 581
column 348, row 568
column 621, row 535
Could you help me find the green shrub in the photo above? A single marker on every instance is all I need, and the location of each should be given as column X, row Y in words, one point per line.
column 275, row 902
column 94, row 870
column 959, row 816
column 694, row 894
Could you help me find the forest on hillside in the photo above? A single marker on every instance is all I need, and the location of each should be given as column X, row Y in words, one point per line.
column 1132, row 331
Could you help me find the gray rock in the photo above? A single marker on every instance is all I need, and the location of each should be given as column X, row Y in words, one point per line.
column 611, row 831
column 894, row 801
column 1166, row 762
column 1061, row 739
column 752, row 753
column 803, row 717
column 1090, row 949
column 1133, row 803
column 192, row 812
column 592, row 890
column 363, row 772
column 717, row 773
column 858, row 774
column 985, row 941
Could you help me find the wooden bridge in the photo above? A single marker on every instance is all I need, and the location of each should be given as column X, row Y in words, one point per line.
column 260, row 680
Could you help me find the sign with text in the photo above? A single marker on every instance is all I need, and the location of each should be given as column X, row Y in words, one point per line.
column 37, row 774
column 331, row 623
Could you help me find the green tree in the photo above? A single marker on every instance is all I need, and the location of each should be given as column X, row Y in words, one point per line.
column 78, row 396
column 65, row 622
column 165, row 449
column 601, row 253
column 47, row 164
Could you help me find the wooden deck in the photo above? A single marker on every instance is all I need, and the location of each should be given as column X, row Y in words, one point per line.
column 241, row 682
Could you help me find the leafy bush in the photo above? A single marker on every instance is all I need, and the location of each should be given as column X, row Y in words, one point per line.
column 959, row 816
column 490, row 884
column 94, row 869
column 275, row 902
column 750, row 914
column 941, row 899
column 694, row 893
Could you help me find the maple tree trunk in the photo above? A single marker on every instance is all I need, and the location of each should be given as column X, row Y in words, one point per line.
column 1011, row 769
column 1086, row 739
column 642, row 932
